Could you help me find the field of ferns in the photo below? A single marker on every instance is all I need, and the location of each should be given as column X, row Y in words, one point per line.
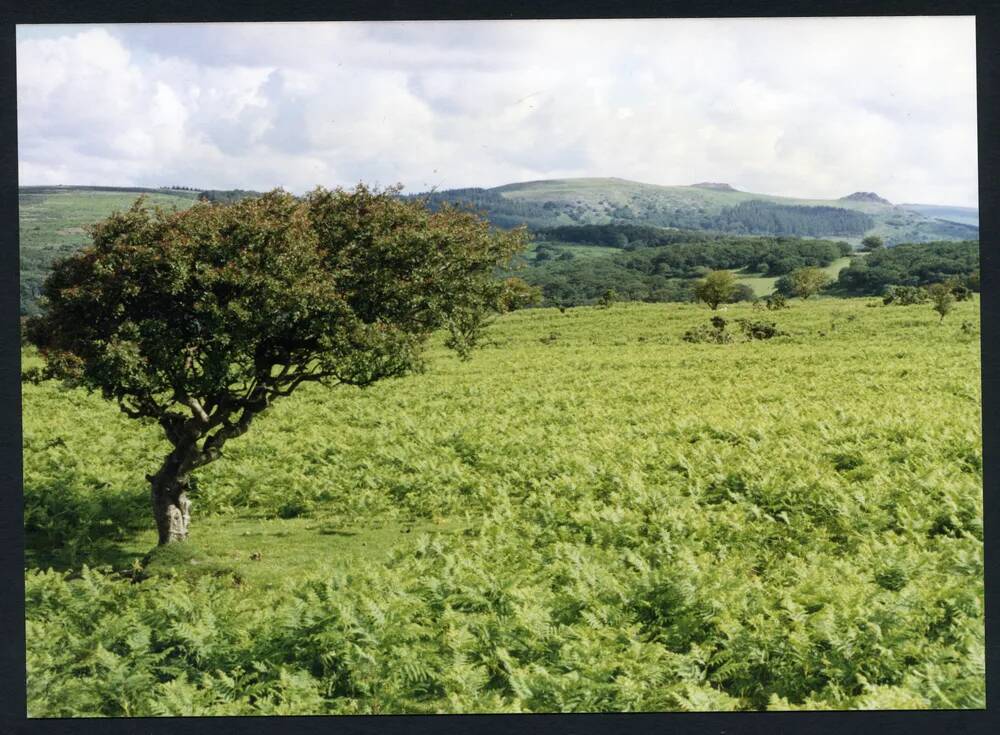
column 591, row 514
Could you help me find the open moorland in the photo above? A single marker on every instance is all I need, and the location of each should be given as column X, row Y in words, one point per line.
column 591, row 514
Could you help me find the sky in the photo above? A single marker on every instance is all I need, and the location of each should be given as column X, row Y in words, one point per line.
column 808, row 107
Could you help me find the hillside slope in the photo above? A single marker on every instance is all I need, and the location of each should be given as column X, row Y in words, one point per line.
column 52, row 222
column 962, row 215
column 706, row 206
column 52, row 219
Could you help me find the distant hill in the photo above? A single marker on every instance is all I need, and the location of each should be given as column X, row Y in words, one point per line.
column 53, row 218
column 704, row 206
column 960, row 215
column 865, row 196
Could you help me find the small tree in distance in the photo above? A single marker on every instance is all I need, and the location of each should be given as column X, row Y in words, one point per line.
column 803, row 282
column 717, row 287
column 200, row 319
column 942, row 298
column 872, row 242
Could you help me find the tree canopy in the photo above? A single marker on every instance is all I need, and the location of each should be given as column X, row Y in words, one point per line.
column 200, row 319
column 803, row 282
column 715, row 288
column 872, row 242
column 913, row 264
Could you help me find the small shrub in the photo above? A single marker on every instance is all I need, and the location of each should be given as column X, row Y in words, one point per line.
column 904, row 295
column 751, row 329
column 608, row 298
column 33, row 375
column 714, row 334
column 959, row 290
column 759, row 329
column 776, row 302
column 742, row 292
column 942, row 297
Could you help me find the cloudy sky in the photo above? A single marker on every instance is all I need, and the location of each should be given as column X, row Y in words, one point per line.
column 802, row 107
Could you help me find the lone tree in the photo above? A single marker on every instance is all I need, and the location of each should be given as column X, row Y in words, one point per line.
column 803, row 282
column 200, row 319
column 717, row 287
column 608, row 298
column 942, row 297
column 872, row 242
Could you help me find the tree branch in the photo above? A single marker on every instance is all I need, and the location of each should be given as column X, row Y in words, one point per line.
column 197, row 410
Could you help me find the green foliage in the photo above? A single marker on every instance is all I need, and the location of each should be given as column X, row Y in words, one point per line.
column 942, row 298
column 582, row 218
column 776, row 302
column 226, row 196
column 742, row 292
column 661, row 265
column 717, row 287
column 904, row 295
column 759, row 329
column 712, row 333
column 914, row 264
column 519, row 294
column 768, row 218
column 750, row 329
column 803, row 282
column 637, row 523
column 872, row 242
column 53, row 223
column 608, row 298
column 201, row 319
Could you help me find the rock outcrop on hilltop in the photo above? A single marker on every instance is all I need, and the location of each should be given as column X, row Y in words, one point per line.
column 866, row 196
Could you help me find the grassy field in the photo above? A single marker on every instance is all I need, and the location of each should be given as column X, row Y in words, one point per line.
column 578, row 250
column 589, row 515
column 763, row 285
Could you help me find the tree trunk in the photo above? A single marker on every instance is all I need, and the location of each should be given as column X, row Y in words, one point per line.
column 171, row 507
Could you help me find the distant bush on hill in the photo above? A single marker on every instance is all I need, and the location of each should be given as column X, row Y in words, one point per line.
column 912, row 264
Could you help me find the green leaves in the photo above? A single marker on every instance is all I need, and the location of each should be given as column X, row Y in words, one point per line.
column 222, row 308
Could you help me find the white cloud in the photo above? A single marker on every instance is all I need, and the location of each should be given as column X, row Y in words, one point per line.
column 811, row 107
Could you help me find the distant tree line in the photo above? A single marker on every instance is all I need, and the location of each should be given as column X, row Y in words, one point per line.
column 689, row 250
column 585, row 281
column 500, row 211
column 767, row 218
column 912, row 264
column 620, row 235
column 666, row 271
column 765, row 255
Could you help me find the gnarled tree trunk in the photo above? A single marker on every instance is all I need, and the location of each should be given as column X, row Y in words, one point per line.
column 171, row 506
column 169, row 486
